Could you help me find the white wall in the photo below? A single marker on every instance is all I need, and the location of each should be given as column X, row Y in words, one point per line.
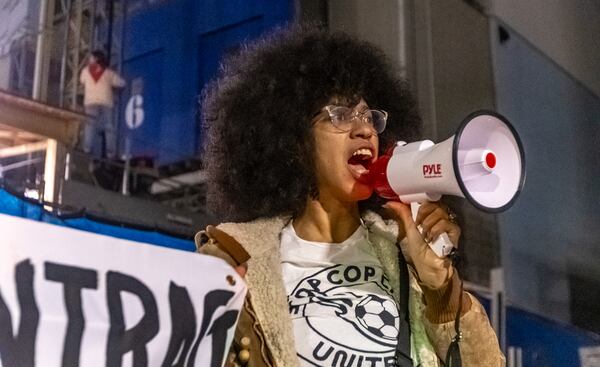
column 565, row 30
column 550, row 236
column 376, row 21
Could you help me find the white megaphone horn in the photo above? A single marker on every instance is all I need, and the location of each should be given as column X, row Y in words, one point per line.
column 483, row 162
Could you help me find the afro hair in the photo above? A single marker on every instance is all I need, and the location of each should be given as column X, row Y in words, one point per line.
column 258, row 142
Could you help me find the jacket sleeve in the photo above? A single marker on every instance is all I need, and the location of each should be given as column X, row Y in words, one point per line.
column 248, row 348
column 479, row 344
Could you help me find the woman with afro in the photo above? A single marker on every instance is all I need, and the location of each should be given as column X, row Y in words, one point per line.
column 293, row 121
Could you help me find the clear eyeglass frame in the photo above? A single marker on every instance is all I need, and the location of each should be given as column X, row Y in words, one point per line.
column 342, row 118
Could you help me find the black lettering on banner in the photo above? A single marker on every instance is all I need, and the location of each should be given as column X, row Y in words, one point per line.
column 183, row 326
column 212, row 301
column 121, row 341
column 219, row 336
column 19, row 350
column 74, row 280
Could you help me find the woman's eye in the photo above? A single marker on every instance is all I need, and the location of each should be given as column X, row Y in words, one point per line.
column 345, row 115
column 340, row 117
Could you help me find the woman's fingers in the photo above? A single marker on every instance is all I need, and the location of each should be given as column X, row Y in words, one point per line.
column 433, row 271
column 444, row 226
column 426, row 209
column 437, row 221
column 431, row 218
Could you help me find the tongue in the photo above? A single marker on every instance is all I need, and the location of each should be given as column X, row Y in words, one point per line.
column 357, row 170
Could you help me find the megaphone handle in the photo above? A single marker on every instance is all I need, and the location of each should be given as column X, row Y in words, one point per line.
column 442, row 246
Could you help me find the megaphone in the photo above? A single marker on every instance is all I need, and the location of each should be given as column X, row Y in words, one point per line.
column 483, row 162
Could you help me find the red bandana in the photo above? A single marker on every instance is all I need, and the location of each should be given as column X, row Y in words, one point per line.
column 96, row 71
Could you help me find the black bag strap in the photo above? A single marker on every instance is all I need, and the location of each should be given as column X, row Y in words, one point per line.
column 403, row 348
column 403, row 359
column 453, row 358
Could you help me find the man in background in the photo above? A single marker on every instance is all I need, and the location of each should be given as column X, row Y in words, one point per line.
column 99, row 81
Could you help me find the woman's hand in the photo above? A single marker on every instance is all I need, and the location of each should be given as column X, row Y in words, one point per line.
column 434, row 272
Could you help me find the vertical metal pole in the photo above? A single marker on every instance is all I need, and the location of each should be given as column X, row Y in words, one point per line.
column 50, row 170
column 65, row 177
column 53, row 174
column 121, row 47
column 514, row 357
column 122, row 40
column 65, row 51
column 21, row 58
column 111, row 16
column 38, row 73
column 424, row 73
column 78, row 10
column 498, row 308
column 126, row 168
column 402, row 38
column 93, row 30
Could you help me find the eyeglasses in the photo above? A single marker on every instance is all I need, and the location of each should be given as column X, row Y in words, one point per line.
column 342, row 117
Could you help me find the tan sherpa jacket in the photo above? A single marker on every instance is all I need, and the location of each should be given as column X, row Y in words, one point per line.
column 264, row 334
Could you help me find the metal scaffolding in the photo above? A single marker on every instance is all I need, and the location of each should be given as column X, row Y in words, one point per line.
column 85, row 25
column 75, row 20
column 45, row 58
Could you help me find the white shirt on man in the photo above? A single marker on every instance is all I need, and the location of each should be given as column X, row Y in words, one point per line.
column 100, row 92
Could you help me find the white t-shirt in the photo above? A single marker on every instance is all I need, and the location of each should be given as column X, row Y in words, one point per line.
column 341, row 303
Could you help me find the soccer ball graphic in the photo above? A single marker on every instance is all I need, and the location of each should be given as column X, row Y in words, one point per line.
column 378, row 316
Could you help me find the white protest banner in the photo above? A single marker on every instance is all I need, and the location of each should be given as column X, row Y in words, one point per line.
column 589, row 356
column 74, row 298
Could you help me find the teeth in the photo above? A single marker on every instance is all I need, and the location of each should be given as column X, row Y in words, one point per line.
column 363, row 151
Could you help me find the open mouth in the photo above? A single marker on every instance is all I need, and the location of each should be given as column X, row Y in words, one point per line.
column 359, row 162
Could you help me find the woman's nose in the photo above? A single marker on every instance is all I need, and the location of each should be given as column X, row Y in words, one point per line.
column 361, row 128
